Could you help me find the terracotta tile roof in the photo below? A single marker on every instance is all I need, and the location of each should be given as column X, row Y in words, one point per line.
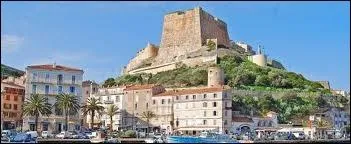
column 242, row 119
column 13, row 84
column 139, row 87
column 191, row 91
column 50, row 67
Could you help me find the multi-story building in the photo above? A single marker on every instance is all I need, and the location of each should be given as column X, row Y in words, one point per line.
column 162, row 106
column 109, row 96
column 138, row 99
column 337, row 118
column 89, row 88
column 51, row 80
column 201, row 109
column 12, row 97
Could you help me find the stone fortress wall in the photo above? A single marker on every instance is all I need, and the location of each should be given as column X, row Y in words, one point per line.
column 184, row 40
column 150, row 51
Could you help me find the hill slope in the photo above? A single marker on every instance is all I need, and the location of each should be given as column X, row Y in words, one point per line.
column 10, row 71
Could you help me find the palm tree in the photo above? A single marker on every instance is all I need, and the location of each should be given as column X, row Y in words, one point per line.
column 69, row 104
column 148, row 115
column 111, row 111
column 93, row 106
column 36, row 105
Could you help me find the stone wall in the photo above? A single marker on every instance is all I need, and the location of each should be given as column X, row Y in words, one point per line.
column 143, row 57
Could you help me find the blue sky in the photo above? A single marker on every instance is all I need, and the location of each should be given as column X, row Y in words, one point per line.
column 311, row 38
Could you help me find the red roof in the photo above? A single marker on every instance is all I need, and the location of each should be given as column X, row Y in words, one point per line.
column 242, row 119
column 140, row 87
column 191, row 91
column 13, row 84
column 51, row 67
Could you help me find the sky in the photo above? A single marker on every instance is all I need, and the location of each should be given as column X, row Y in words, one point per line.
column 310, row 38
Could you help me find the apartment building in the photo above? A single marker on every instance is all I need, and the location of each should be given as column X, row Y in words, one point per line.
column 109, row 96
column 162, row 106
column 200, row 109
column 138, row 99
column 89, row 88
column 12, row 97
column 50, row 80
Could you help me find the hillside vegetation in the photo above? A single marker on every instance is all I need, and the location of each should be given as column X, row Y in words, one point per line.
column 9, row 71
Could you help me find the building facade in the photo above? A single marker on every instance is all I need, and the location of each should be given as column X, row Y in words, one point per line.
column 12, row 97
column 138, row 99
column 49, row 81
column 200, row 109
column 89, row 88
column 162, row 106
column 109, row 96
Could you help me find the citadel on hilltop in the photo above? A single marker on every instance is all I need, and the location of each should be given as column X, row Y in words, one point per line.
column 194, row 38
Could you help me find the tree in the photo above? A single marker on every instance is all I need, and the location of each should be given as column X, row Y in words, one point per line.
column 93, row 106
column 148, row 115
column 36, row 105
column 109, row 82
column 111, row 111
column 69, row 104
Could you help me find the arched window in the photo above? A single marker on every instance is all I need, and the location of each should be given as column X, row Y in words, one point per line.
column 204, row 104
column 270, row 123
column 259, row 123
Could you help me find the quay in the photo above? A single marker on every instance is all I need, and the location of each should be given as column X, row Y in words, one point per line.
column 123, row 140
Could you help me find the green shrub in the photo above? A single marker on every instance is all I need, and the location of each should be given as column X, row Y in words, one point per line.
column 129, row 134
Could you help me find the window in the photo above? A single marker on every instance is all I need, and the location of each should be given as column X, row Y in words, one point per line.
column 34, row 89
column 205, row 96
column 214, row 95
column 16, row 98
column 225, row 122
column 72, row 90
column 225, row 95
column 87, row 92
column 7, row 106
column 35, row 75
column 60, row 89
column 163, row 101
column 136, row 106
column 73, row 79
column 186, row 97
column 177, row 97
column 204, row 113
column 15, row 106
column 204, row 104
column 59, row 78
column 225, row 113
column 147, row 105
column 108, row 98
column 153, row 101
column 47, row 89
column 205, row 122
column 194, row 96
column 117, row 99
column 214, row 104
column 214, row 122
column 214, row 113
column 169, row 101
column 47, row 77
column 225, row 104
column 7, row 97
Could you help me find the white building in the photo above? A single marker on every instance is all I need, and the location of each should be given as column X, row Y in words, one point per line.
column 51, row 80
column 108, row 96
column 200, row 109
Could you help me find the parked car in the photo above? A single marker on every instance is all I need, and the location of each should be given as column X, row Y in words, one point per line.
column 46, row 134
column 73, row 134
column 82, row 136
column 63, row 135
column 89, row 134
column 23, row 137
column 33, row 134
column 299, row 135
column 8, row 133
column 5, row 139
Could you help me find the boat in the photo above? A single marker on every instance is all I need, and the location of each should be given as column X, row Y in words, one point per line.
column 205, row 137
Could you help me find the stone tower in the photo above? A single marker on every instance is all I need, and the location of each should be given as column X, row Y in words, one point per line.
column 215, row 77
column 187, row 31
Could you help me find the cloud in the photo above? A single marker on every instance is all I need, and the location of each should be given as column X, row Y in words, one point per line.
column 10, row 42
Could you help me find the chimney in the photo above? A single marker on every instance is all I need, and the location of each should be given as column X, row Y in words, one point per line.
column 54, row 65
